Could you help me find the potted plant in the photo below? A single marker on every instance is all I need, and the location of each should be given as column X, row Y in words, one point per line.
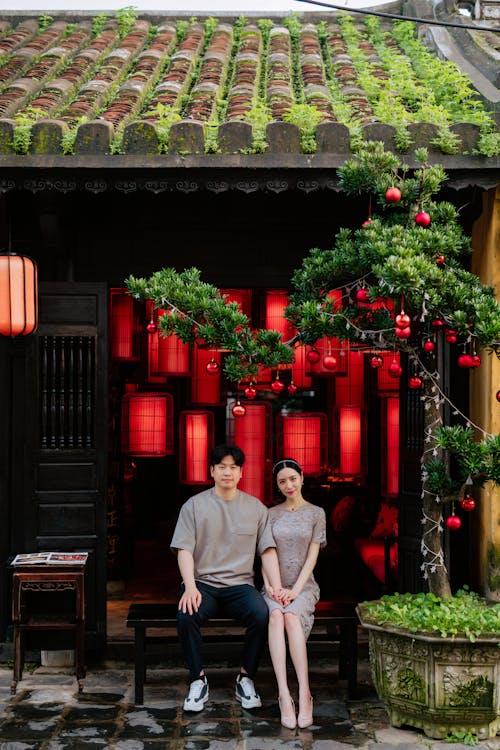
column 436, row 663
column 396, row 284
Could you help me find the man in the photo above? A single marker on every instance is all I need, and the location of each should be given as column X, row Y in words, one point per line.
column 217, row 535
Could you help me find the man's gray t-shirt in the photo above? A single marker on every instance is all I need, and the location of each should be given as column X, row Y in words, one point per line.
column 223, row 536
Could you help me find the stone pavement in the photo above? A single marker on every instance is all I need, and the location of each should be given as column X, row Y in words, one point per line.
column 47, row 713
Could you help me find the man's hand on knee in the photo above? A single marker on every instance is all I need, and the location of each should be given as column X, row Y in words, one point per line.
column 190, row 600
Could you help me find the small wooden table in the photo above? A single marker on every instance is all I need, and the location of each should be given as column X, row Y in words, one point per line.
column 40, row 580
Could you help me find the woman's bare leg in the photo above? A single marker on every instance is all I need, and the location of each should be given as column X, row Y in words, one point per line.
column 277, row 649
column 298, row 653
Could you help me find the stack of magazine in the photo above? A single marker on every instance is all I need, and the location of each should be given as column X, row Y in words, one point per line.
column 51, row 558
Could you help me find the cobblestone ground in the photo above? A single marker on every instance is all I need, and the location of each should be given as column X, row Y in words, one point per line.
column 47, row 713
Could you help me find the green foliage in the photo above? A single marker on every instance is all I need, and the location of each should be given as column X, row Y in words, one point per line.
column 165, row 116
column 44, row 22
column 126, row 18
column 488, row 144
column 307, row 118
column 98, row 23
column 464, row 615
column 22, row 130
column 465, row 738
column 258, row 117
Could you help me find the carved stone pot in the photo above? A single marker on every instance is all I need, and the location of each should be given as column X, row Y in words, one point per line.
column 439, row 685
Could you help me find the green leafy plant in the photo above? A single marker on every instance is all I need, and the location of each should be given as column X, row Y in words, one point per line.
column 165, row 116
column 465, row 738
column 126, row 18
column 307, row 118
column 465, row 614
column 44, row 22
column 98, row 23
column 22, row 131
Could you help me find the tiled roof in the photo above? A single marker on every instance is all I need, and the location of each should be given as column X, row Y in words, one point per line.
column 242, row 86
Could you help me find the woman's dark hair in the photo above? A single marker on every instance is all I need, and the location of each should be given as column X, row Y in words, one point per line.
column 220, row 451
column 286, row 463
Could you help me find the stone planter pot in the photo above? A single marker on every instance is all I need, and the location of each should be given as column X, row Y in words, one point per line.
column 439, row 685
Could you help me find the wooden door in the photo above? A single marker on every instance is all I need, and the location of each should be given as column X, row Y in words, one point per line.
column 66, row 441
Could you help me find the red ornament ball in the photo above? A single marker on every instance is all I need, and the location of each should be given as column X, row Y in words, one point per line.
column 362, row 295
column 277, row 386
column 453, row 522
column 465, row 361
column 292, row 388
column 330, row 362
column 395, row 369
column 402, row 320
column 376, row 361
column 212, row 367
column 440, row 260
column 366, row 224
column 403, row 333
column 414, row 382
column 429, row 346
column 468, row 503
column 437, row 323
column 451, row 336
column 476, row 360
column 313, row 356
column 497, row 396
column 422, row 219
column 151, row 327
column 239, row 410
column 393, row 195
column 250, row 391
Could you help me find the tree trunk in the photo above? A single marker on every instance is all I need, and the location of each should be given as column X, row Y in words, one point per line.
column 432, row 525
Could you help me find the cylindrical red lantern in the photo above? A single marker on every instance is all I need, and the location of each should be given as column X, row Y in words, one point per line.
column 253, row 434
column 304, row 437
column 391, row 447
column 276, row 304
column 18, row 295
column 196, row 440
column 147, row 424
column 205, row 386
column 168, row 355
column 124, row 327
column 350, row 440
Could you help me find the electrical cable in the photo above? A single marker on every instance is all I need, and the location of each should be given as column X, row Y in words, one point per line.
column 397, row 17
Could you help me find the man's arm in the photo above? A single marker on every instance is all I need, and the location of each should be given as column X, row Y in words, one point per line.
column 271, row 570
column 191, row 598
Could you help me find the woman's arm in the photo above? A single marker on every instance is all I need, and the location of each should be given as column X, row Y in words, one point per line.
column 271, row 572
column 312, row 556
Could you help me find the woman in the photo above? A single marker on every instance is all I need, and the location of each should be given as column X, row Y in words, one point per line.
column 299, row 530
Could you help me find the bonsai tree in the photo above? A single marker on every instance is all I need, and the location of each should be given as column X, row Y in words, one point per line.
column 397, row 283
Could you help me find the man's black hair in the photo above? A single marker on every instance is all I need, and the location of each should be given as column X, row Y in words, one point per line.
column 220, row 451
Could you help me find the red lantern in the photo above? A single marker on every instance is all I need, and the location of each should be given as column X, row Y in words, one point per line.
column 350, row 440
column 250, row 391
column 168, row 355
column 124, row 327
column 147, row 424
column 254, row 435
column 414, row 382
column 276, row 304
column 196, row 439
column 390, row 447
column 292, row 388
column 299, row 375
column 468, row 503
column 313, row 356
column 205, row 383
column 330, row 362
column 18, row 295
column 453, row 522
column 376, row 361
column 305, row 437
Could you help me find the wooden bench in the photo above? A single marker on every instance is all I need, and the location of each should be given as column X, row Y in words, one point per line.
column 334, row 621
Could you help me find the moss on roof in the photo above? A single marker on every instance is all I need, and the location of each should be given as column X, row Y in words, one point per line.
column 123, row 85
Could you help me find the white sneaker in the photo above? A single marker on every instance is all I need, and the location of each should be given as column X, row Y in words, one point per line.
column 197, row 696
column 246, row 692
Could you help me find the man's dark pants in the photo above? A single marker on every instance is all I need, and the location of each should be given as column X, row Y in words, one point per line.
column 243, row 603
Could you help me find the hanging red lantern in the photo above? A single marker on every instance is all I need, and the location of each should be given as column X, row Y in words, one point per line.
column 238, row 410
column 468, row 503
column 395, row 370
column 277, row 386
column 212, row 367
column 18, row 295
column 124, row 327
column 147, row 424
column 196, row 439
column 313, row 356
column 376, row 361
column 330, row 362
column 250, row 391
column 414, row 382
column 453, row 522
column 305, row 437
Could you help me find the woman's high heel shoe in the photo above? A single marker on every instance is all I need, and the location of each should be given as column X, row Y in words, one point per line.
column 306, row 719
column 288, row 720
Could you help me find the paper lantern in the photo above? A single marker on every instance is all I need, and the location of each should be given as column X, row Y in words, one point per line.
column 147, row 424
column 168, row 355
column 304, row 437
column 350, row 421
column 276, row 301
column 390, row 447
column 124, row 327
column 205, row 386
column 300, row 368
column 253, row 434
column 196, row 440
column 18, row 295
column 329, row 346
column 242, row 296
column 384, row 381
